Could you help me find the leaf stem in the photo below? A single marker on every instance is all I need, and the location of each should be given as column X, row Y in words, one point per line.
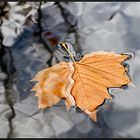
column 69, row 53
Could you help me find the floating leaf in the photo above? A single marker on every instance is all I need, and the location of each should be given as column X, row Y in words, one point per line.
column 83, row 84
column 53, row 84
column 93, row 75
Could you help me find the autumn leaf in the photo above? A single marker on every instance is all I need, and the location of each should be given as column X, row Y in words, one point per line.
column 93, row 75
column 53, row 84
column 83, row 84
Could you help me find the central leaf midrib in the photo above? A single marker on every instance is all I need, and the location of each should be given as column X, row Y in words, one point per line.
column 82, row 85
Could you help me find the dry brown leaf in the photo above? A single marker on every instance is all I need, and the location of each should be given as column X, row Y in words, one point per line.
column 53, row 84
column 82, row 83
column 93, row 74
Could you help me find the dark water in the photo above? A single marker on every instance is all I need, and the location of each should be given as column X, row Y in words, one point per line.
column 28, row 40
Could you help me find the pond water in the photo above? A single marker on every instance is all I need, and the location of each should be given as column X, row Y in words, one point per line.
column 30, row 36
